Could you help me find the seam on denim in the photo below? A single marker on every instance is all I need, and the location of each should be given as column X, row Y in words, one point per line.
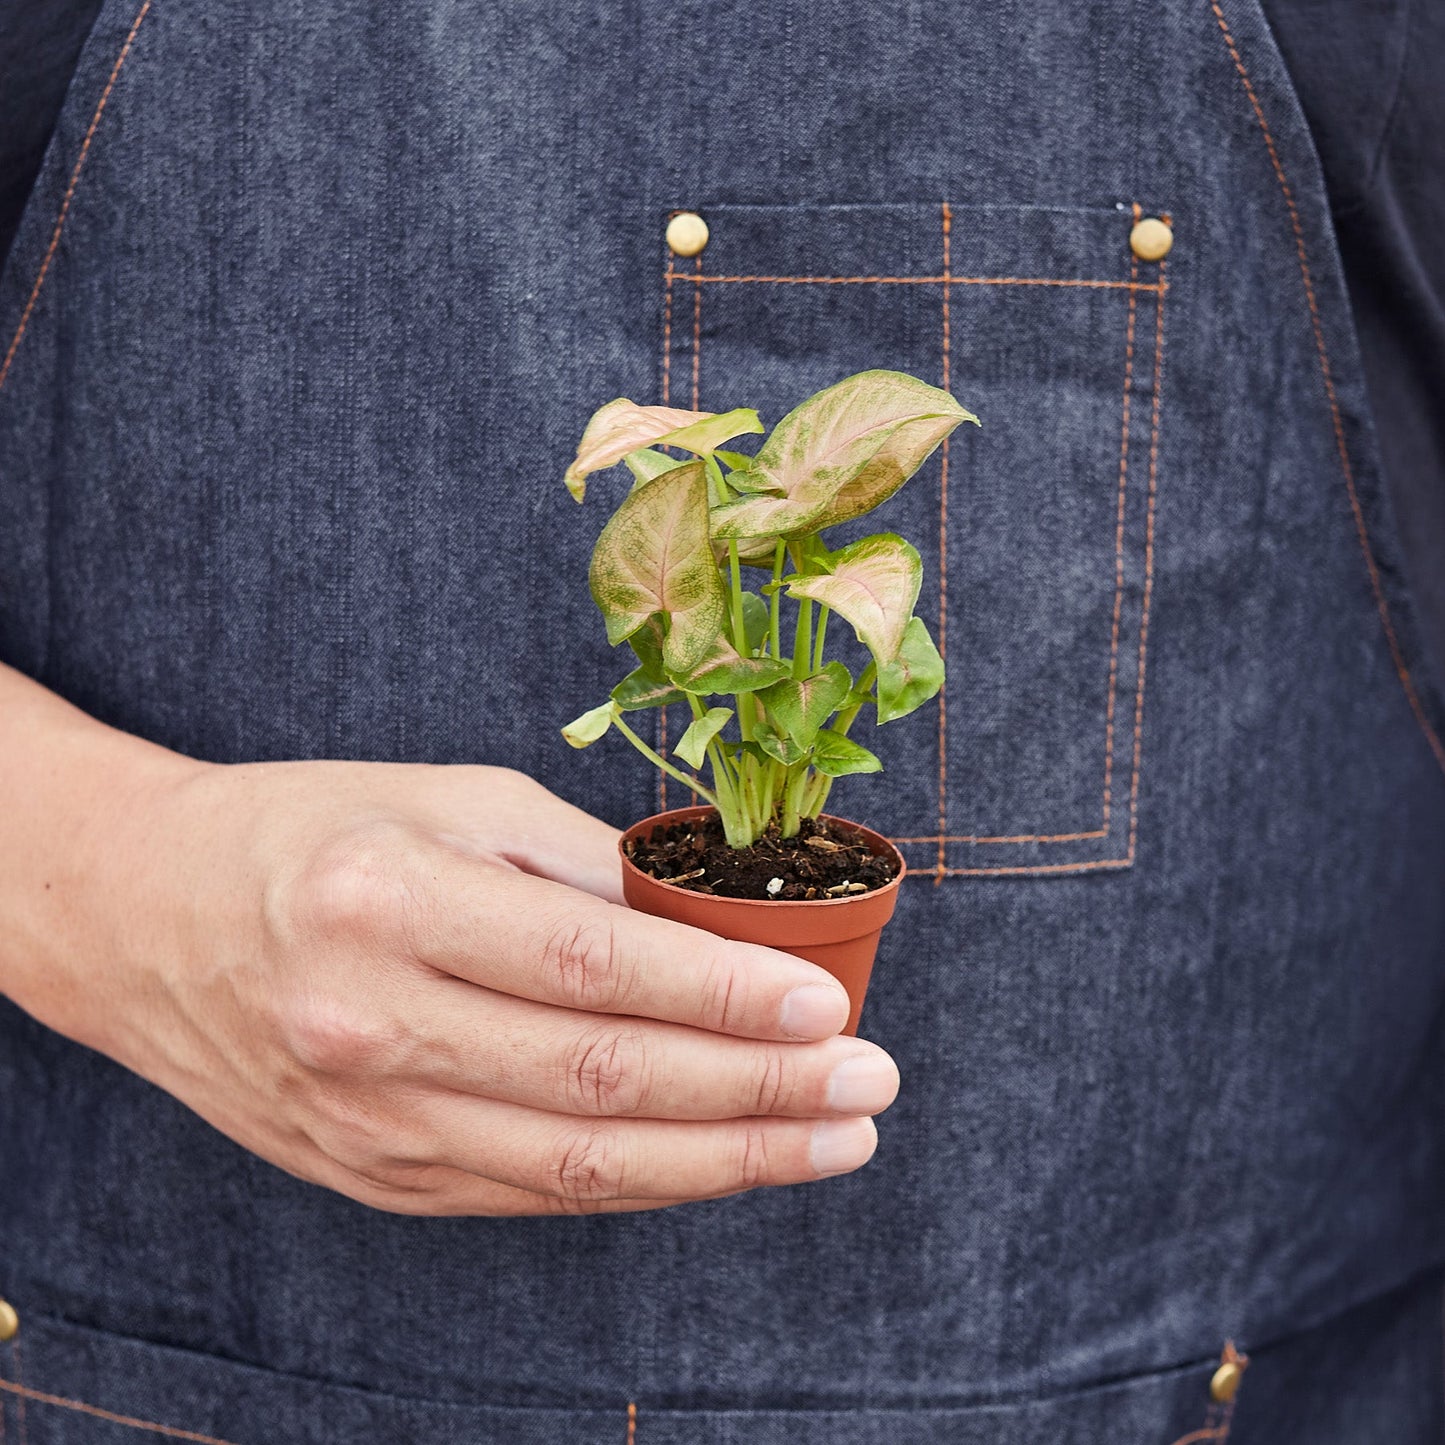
column 1346, row 466
column 63, row 1402
column 1119, row 544
column 631, row 1422
column 70, row 195
column 921, row 281
column 671, row 275
column 20, row 1398
column 697, row 336
column 942, row 859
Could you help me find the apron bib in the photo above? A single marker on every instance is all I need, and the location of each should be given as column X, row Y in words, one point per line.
column 305, row 315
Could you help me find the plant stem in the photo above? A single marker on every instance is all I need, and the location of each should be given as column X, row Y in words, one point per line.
column 803, row 638
column 823, row 611
column 865, row 681
column 778, row 553
column 696, row 784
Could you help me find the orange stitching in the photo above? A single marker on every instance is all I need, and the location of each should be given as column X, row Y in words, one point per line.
column 61, row 1402
column 1381, row 606
column 942, row 860
column 631, row 1423
column 1119, row 550
column 69, row 195
column 1148, row 563
column 923, row 281
column 20, row 1400
column 1007, row 837
column 667, row 338
column 696, row 335
column 1092, row 866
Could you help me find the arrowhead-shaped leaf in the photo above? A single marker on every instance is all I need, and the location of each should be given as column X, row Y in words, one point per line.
column 692, row 745
column 724, row 669
column 802, row 706
column 654, row 556
column 756, row 620
column 873, row 583
column 913, row 677
column 836, row 755
column 641, row 688
column 590, row 726
column 647, row 464
column 618, row 428
column 840, row 454
column 702, row 437
column 777, row 744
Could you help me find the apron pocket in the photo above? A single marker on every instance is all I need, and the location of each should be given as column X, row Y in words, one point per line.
column 1036, row 530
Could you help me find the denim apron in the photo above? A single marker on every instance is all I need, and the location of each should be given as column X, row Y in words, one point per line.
column 306, row 313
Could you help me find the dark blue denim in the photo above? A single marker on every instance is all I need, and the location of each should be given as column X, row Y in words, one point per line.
column 306, row 322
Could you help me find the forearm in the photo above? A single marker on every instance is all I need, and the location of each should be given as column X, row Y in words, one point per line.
column 76, row 827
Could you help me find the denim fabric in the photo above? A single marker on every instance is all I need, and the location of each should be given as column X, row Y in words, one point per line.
column 280, row 459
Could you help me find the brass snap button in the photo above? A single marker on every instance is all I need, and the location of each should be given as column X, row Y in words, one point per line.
column 1225, row 1384
column 1151, row 239
column 686, row 234
column 9, row 1321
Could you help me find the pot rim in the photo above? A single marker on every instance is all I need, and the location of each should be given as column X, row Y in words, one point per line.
column 702, row 810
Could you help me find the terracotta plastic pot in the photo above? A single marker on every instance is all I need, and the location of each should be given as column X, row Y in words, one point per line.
column 839, row 934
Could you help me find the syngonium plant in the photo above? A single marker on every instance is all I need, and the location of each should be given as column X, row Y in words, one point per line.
column 667, row 576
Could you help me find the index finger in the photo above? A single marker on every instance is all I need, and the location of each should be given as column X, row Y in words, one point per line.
column 541, row 940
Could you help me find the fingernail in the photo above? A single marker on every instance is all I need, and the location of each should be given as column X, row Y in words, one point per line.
column 862, row 1085
column 842, row 1144
column 814, row 1009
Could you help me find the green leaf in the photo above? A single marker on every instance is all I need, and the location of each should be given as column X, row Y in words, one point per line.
column 776, row 744
column 702, row 437
column 726, row 670
column 618, row 428
column 647, row 464
column 840, row 453
column 873, row 583
column 836, row 755
column 734, row 461
column 913, row 677
column 642, row 688
column 692, row 745
column 756, row 620
column 803, row 705
column 654, row 557
column 590, row 726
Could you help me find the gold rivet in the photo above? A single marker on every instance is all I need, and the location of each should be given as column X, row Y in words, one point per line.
column 686, row 234
column 1225, row 1384
column 1151, row 239
column 9, row 1321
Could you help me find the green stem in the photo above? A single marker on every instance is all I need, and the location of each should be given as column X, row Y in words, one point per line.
column 823, row 611
column 696, row 784
column 778, row 553
column 865, row 681
column 803, row 638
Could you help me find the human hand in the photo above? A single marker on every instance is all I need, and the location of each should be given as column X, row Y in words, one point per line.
column 415, row 985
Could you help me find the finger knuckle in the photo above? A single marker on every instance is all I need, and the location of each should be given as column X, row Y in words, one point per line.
column 754, row 1164
column 588, row 1167
column 352, row 1134
column 333, row 1038
column 724, row 996
column 582, row 954
column 363, row 885
column 607, row 1071
column 774, row 1085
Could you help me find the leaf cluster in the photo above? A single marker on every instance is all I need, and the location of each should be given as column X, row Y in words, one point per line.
column 666, row 574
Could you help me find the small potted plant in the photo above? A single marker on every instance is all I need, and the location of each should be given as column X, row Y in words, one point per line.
column 771, row 712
